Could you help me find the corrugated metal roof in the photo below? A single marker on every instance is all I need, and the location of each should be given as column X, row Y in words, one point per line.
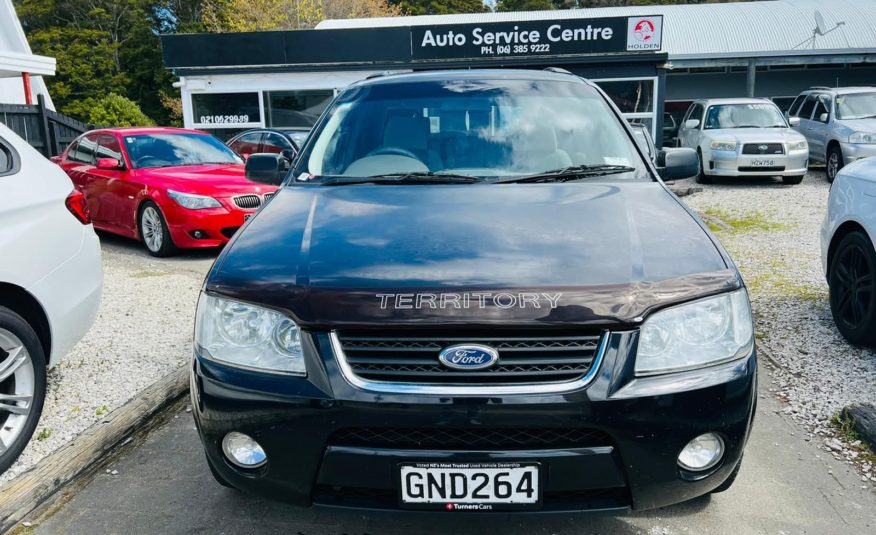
column 703, row 30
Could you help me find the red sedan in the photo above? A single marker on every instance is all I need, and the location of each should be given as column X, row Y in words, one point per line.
column 168, row 187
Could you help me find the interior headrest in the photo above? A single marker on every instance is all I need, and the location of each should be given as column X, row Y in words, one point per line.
column 407, row 132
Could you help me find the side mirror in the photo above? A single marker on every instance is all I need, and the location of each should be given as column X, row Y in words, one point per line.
column 692, row 123
column 675, row 163
column 794, row 121
column 108, row 163
column 823, row 117
column 266, row 168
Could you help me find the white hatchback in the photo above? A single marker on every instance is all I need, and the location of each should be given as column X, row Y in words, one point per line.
column 50, row 283
column 847, row 251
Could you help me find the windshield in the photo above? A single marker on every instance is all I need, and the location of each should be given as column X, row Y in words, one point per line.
column 856, row 106
column 469, row 128
column 170, row 150
column 298, row 136
column 754, row 115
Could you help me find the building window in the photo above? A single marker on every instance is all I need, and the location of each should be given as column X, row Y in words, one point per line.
column 635, row 98
column 295, row 108
column 225, row 109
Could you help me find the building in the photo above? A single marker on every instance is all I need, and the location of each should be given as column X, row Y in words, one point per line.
column 21, row 71
column 651, row 60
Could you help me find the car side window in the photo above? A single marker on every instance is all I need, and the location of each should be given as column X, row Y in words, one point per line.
column 807, row 108
column 822, row 106
column 795, row 106
column 109, row 147
column 9, row 161
column 247, row 143
column 696, row 112
column 275, row 143
column 85, row 148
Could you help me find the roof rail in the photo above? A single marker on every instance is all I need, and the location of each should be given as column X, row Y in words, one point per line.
column 377, row 75
column 820, row 87
column 558, row 70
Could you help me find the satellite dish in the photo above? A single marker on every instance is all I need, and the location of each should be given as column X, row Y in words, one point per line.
column 820, row 26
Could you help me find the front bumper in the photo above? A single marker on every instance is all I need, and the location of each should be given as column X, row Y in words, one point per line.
column 735, row 164
column 856, row 151
column 210, row 227
column 635, row 429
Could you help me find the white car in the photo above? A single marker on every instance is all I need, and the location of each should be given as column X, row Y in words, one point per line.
column 744, row 137
column 847, row 251
column 50, row 283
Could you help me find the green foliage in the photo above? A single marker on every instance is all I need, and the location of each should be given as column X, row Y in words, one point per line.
column 114, row 110
column 440, row 7
column 525, row 5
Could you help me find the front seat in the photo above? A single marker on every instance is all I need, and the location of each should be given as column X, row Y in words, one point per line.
column 411, row 133
column 540, row 151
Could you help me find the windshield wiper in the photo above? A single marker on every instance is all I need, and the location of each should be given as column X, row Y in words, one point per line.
column 418, row 177
column 566, row 174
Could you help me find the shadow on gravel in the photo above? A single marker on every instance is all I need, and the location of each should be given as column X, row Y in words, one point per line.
column 131, row 247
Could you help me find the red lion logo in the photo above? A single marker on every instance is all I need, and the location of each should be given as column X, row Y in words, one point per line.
column 644, row 30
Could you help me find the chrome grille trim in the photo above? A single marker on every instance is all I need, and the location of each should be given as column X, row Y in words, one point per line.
column 467, row 389
column 248, row 202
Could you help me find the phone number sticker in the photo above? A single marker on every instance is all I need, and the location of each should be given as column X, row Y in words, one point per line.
column 224, row 119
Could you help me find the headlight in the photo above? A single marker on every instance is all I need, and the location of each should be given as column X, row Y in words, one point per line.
column 697, row 334
column 862, row 137
column 193, row 202
column 724, row 145
column 797, row 145
column 249, row 336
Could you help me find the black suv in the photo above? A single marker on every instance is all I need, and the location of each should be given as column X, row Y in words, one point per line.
column 474, row 293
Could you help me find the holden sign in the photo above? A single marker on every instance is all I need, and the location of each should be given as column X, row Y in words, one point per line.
column 644, row 33
column 554, row 37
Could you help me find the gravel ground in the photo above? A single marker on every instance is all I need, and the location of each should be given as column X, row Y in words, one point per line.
column 142, row 332
column 772, row 234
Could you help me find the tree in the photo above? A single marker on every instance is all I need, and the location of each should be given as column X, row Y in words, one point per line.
column 115, row 110
column 525, row 5
column 257, row 15
column 440, row 7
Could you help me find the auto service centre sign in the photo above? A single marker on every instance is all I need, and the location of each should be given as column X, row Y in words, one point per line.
column 538, row 38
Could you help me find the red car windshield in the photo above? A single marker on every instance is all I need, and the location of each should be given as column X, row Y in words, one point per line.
column 171, row 150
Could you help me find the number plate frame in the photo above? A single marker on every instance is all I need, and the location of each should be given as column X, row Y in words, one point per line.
column 761, row 162
column 486, row 506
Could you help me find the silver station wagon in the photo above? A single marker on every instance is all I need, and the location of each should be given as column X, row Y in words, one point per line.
column 744, row 137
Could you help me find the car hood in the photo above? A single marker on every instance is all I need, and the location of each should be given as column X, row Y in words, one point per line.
column 755, row 135
column 560, row 253
column 859, row 125
column 208, row 179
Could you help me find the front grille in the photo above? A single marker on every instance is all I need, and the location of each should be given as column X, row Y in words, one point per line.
column 522, row 359
column 468, row 439
column 775, row 168
column 228, row 232
column 248, row 202
column 580, row 500
column 268, row 196
column 763, row 148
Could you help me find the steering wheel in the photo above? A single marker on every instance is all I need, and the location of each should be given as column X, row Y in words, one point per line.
column 143, row 160
column 397, row 151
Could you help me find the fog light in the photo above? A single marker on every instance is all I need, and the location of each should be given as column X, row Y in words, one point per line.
column 701, row 453
column 243, row 450
column 199, row 235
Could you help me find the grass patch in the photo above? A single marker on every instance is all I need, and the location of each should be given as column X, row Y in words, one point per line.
column 846, row 429
column 44, row 434
column 780, row 285
column 101, row 411
column 724, row 220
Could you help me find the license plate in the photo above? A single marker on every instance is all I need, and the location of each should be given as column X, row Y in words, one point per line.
column 763, row 163
column 469, row 486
